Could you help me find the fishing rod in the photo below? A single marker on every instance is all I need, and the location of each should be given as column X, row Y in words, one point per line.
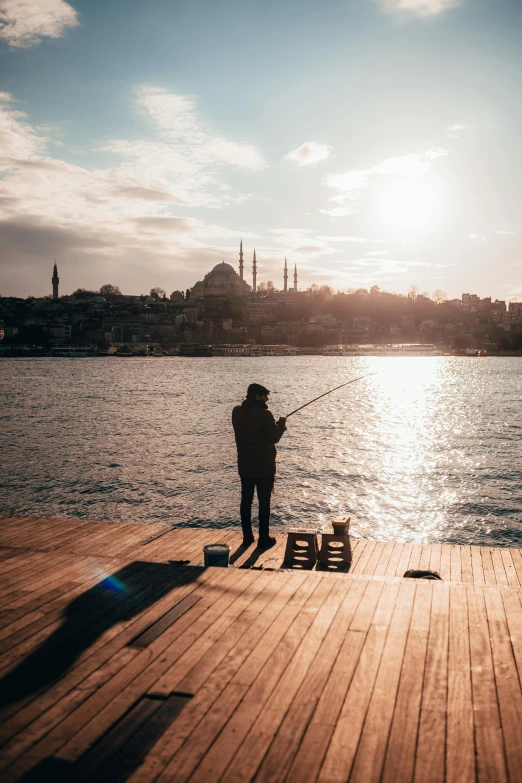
column 332, row 390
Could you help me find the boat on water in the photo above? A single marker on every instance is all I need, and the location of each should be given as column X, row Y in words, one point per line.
column 195, row 349
column 248, row 349
column 397, row 349
column 72, row 351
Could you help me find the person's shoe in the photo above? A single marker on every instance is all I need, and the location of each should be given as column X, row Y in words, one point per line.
column 266, row 543
column 248, row 539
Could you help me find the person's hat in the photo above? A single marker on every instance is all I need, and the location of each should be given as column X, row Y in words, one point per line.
column 256, row 388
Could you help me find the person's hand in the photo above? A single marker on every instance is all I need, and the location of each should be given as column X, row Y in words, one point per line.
column 282, row 421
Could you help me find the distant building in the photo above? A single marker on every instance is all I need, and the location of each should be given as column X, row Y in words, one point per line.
column 221, row 281
column 225, row 283
column 55, row 281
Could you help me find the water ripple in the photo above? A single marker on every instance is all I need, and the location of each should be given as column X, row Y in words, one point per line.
column 427, row 451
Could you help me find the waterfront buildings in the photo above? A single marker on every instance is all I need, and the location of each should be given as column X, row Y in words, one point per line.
column 224, row 309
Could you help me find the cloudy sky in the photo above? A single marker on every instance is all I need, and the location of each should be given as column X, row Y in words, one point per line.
column 369, row 141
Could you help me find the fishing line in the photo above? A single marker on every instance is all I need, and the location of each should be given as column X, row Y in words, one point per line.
column 332, row 390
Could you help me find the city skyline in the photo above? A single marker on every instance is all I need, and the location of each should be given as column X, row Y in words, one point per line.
column 372, row 143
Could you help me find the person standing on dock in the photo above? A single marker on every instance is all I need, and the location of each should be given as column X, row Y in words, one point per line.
column 256, row 433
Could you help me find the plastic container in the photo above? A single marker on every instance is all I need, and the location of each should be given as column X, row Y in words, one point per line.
column 216, row 555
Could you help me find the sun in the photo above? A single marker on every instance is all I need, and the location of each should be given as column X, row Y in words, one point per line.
column 411, row 205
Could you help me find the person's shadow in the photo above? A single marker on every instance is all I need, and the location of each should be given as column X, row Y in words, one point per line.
column 115, row 599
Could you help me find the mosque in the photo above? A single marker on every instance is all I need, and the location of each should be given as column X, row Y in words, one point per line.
column 223, row 282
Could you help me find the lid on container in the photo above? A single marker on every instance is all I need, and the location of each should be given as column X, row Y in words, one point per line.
column 216, row 548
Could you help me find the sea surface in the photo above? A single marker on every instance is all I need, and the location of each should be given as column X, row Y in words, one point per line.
column 427, row 450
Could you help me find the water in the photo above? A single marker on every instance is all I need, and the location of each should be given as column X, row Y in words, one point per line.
column 429, row 450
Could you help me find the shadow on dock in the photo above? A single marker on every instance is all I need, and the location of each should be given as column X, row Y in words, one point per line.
column 117, row 598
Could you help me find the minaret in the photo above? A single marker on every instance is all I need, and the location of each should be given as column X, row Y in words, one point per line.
column 55, row 280
column 285, row 277
column 254, row 274
column 295, row 278
column 241, row 259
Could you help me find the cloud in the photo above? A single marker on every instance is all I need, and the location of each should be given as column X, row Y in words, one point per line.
column 350, row 184
column 122, row 211
column 146, row 194
column 309, row 154
column 336, row 211
column 455, row 131
column 419, row 7
column 176, row 120
column 24, row 23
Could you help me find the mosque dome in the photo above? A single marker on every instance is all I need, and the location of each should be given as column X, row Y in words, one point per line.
column 176, row 296
column 223, row 267
column 222, row 281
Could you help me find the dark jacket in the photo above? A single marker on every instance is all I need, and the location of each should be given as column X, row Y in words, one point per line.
column 256, row 433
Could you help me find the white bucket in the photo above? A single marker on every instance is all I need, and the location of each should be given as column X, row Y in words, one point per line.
column 216, row 555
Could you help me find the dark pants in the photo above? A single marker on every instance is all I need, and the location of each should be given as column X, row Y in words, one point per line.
column 264, row 487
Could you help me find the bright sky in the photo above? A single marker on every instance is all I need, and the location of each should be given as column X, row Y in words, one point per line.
column 369, row 141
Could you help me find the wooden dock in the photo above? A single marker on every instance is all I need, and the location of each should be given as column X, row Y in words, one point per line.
column 122, row 659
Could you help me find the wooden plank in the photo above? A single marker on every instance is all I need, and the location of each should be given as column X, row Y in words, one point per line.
column 455, row 564
column 486, row 717
column 151, row 633
column 221, row 732
column 121, row 766
column 435, row 558
column 206, row 644
column 81, row 706
column 224, row 655
column 513, row 610
column 399, row 762
column 403, row 565
column 369, row 759
column 516, row 555
column 445, row 562
column 429, row 763
column 19, row 556
column 31, row 576
column 371, row 564
column 460, row 741
column 328, row 676
column 343, row 746
column 487, row 566
column 465, row 564
column 507, row 681
column 359, row 564
column 307, row 763
column 477, row 566
column 284, row 605
column 20, row 643
column 92, row 626
column 105, row 705
column 366, row 608
column 393, row 563
column 509, row 567
column 415, row 556
column 382, row 564
column 252, row 752
column 425, row 558
column 498, row 566
column 51, row 707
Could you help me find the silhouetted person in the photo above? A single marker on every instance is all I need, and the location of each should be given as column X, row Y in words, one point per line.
column 256, row 434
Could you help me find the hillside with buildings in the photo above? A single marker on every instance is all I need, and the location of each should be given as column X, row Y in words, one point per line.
column 223, row 308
